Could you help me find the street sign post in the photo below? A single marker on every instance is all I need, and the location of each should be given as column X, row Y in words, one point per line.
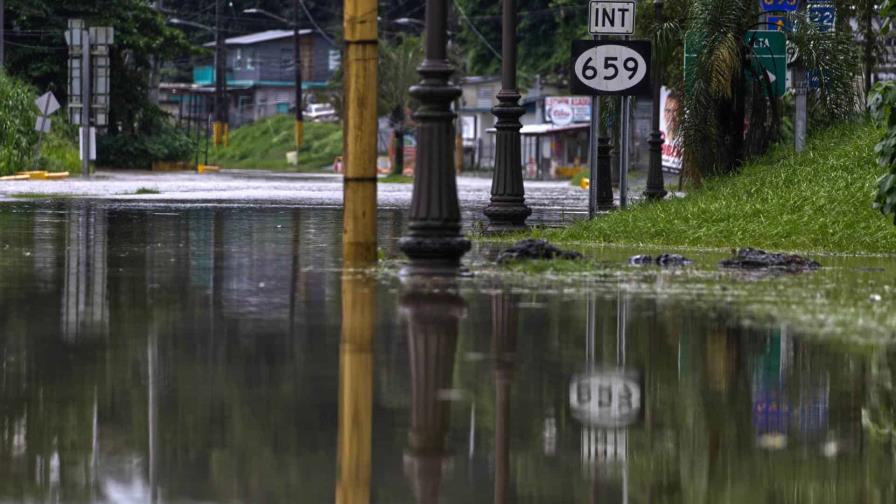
column 610, row 67
column 47, row 105
column 611, row 18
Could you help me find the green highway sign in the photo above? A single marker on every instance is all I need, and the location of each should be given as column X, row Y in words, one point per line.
column 769, row 54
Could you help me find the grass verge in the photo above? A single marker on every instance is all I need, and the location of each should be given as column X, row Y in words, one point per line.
column 396, row 179
column 264, row 144
column 818, row 201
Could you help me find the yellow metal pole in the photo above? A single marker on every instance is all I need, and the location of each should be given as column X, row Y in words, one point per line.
column 355, row 388
column 360, row 130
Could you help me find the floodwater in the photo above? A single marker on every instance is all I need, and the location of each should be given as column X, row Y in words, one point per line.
column 219, row 354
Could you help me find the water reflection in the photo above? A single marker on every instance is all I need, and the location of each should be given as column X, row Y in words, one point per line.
column 219, row 354
column 432, row 316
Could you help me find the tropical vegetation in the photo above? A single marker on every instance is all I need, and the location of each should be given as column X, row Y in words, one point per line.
column 18, row 139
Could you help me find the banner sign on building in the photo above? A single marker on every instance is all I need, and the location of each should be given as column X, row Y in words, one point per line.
column 563, row 110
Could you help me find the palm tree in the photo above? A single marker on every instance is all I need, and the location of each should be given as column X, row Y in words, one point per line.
column 724, row 92
column 399, row 60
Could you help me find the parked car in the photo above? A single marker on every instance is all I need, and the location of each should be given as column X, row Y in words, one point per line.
column 321, row 112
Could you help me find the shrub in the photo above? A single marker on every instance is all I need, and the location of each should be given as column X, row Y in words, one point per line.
column 17, row 118
column 159, row 140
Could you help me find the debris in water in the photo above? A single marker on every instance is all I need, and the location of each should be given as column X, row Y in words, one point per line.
column 752, row 259
column 535, row 249
column 660, row 260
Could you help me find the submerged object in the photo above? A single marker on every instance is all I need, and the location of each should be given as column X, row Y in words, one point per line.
column 535, row 249
column 753, row 259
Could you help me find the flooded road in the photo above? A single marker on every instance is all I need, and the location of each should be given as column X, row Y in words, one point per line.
column 219, row 354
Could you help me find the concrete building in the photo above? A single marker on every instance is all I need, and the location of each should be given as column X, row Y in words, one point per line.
column 260, row 76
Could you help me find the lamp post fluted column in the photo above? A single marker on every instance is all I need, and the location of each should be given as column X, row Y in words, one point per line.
column 507, row 210
column 433, row 240
column 655, row 189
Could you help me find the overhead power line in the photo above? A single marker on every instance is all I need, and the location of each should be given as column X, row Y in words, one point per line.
column 463, row 16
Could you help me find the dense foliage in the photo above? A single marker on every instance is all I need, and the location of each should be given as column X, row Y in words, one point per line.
column 881, row 104
column 18, row 138
column 157, row 140
column 17, row 116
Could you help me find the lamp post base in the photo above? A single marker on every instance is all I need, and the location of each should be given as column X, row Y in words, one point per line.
column 655, row 185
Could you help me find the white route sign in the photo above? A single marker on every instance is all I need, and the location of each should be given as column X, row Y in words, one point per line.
column 611, row 18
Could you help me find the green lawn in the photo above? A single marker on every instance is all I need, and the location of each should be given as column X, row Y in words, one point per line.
column 818, row 201
column 264, row 144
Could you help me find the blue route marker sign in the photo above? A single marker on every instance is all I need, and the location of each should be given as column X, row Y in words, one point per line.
column 778, row 5
column 823, row 16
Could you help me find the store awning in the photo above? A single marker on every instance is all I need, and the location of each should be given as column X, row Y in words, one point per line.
column 547, row 128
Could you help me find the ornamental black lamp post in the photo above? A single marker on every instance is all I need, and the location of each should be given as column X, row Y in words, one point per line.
column 655, row 189
column 507, row 210
column 433, row 241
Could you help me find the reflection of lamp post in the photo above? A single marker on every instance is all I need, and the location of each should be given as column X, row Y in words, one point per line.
column 432, row 342
column 504, row 325
column 299, row 125
column 433, row 241
column 655, row 189
column 507, row 210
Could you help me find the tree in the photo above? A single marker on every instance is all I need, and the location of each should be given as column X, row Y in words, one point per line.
column 399, row 60
column 730, row 110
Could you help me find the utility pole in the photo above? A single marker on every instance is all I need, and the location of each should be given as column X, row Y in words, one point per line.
column 299, row 126
column 219, row 129
column 360, row 131
column 433, row 241
column 2, row 34
column 507, row 210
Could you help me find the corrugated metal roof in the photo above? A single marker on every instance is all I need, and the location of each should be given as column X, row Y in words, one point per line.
column 256, row 38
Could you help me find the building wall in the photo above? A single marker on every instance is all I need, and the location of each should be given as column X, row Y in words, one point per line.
column 273, row 61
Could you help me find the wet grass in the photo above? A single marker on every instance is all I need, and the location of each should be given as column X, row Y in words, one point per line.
column 818, row 202
column 264, row 144
column 146, row 190
column 32, row 195
column 396, row 179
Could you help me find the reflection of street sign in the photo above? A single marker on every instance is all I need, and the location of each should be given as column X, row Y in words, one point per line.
column 823, row 16
column 769, row 56
column 610, row 399
column 611, row 18
column 778, row 5
column 610, row 68
column 47, row 104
